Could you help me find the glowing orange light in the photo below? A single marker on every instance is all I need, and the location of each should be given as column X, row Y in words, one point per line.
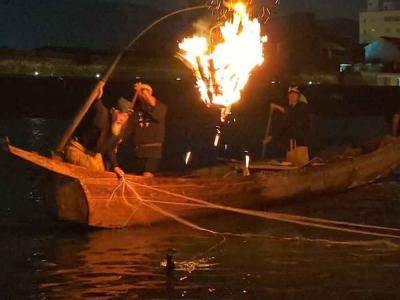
column 222, row 69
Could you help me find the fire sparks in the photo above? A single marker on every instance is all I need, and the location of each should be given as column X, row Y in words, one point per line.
column 222, row 68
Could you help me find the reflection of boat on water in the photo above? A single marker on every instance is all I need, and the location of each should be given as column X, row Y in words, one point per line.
column 99, row 199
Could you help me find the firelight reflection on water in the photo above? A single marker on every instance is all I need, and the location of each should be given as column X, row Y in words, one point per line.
column 48, row 260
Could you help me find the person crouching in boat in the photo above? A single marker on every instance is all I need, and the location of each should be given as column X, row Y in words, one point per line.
column 148, row 128
column 297, row 125
column 95, row 145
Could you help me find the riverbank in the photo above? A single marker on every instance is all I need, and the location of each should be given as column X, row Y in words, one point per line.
column 84, row 64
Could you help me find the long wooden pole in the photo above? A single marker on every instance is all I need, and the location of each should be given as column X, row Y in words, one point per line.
column 93, row 95
column 266, row 139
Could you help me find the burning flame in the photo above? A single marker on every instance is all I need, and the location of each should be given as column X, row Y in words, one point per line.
column 223, row 69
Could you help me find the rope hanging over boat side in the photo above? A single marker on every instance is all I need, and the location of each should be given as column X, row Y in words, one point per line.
column 293, row 219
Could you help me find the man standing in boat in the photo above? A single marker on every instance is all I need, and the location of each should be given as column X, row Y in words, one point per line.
column 96, row 141
column 297, row 124
column 148, row 128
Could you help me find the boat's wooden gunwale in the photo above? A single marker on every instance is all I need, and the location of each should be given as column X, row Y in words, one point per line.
column 94, row 205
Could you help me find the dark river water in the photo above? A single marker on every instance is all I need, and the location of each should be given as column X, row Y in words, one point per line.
column 43, row 259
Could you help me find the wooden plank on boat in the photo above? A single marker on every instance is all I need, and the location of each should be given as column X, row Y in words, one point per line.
column 93, row 198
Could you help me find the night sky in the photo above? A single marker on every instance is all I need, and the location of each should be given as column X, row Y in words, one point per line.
column 108, row 24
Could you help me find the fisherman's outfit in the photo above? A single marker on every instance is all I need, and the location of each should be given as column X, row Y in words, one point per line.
column 297, row 125
column 94, row 146
column 149, row 134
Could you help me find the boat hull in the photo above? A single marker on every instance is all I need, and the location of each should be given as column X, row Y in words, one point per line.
column 100, row 199
column 339, row 176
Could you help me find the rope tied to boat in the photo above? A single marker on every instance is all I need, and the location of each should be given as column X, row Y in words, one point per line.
column 341, row 226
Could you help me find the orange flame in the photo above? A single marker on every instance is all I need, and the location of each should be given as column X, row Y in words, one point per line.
column 222, row 70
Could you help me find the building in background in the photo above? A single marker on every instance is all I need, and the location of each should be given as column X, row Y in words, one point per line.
column 384, row 50
column 304, row 49
column 381, row 19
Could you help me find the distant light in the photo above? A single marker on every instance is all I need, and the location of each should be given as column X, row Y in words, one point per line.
column 97, row 75
column 178, row 79
column 226, row 147
column 310, row 82
column 273, row 82
column 138, row 77
column 36, row 73
column 344, row 67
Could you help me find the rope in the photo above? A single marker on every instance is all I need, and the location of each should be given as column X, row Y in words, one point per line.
column 299, row 220
column 135, row 209
column 168, row 214
column 293, row 219
column 113, row 194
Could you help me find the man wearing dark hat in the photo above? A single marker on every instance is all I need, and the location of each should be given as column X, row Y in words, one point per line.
column 95, row 145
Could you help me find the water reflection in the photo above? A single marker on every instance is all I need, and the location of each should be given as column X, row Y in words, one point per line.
column 287, row 261
column 45, row 261
column 31, row 134
column 111, row 264
column 36, row 128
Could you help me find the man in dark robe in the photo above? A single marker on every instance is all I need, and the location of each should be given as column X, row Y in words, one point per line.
column 297, row 123
column 95, row 145
column 148, row 127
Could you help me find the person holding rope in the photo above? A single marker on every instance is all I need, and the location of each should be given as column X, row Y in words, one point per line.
column 148, row 130
column 95, row 145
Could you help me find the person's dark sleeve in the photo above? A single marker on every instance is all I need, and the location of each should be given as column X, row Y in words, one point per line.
column 100, row 113
column 111, row 156
column 158, row 112
column 304, row 118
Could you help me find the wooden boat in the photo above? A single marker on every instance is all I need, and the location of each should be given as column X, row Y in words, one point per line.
column 339, row 175
column 99, row 199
